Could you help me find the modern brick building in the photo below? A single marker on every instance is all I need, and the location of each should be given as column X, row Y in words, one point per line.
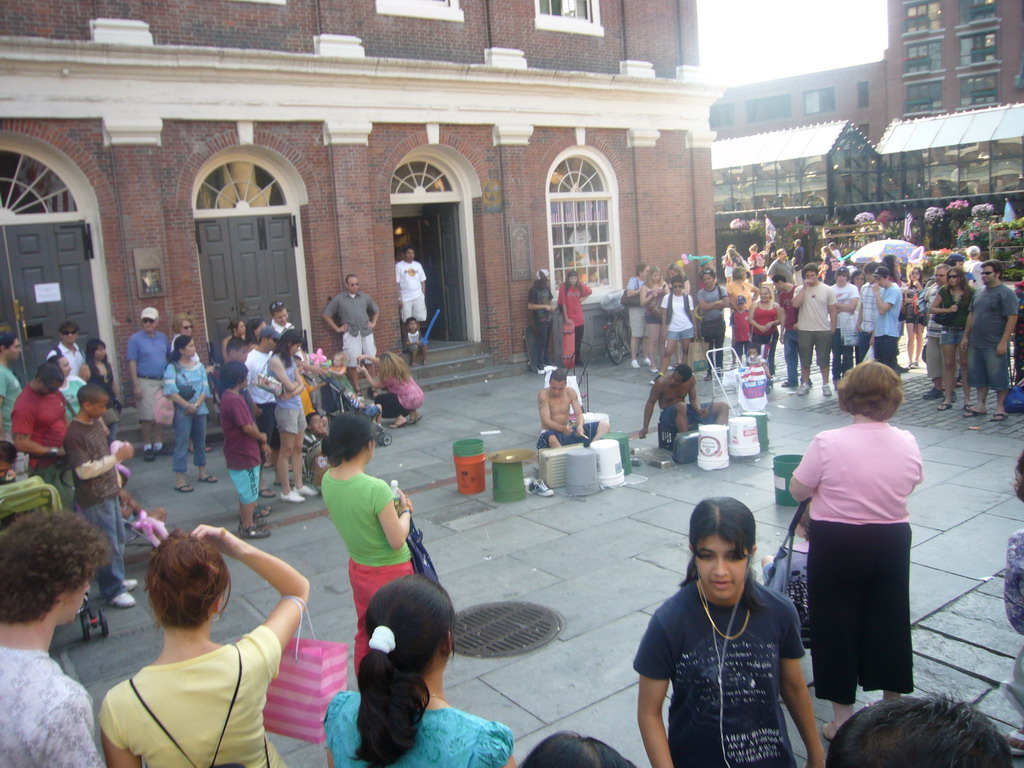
column 215, row 156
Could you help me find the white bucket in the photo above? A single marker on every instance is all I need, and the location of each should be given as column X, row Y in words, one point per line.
column 713, row 446
column 581, row 472
column 743, row 440
column 590, row 416
column 609, row 462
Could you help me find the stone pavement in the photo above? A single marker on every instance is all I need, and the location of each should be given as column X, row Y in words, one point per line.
column 604, row 562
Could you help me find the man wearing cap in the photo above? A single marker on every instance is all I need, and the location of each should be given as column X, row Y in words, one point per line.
column 353, row 314
column 412, row 281
column 542, row 303
column 279, row 317
column 266, row 404
column 147, row 360
column 39, row 423
column 887, row 298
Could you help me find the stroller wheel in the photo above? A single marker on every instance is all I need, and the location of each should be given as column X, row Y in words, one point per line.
column 104, row 629
column 83, row 617
column 384, row 438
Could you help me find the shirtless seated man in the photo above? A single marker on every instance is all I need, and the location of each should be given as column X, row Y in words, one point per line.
column 671, row 392
column 554, row 404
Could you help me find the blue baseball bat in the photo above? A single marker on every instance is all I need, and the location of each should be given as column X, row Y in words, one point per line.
column 426, row 336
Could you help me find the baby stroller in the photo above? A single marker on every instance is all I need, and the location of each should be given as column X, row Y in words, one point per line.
column 336, row 399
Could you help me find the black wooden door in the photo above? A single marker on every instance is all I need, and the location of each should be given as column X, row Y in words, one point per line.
column 50, row 282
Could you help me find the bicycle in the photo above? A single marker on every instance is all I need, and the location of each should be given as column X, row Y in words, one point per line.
column 616, row 335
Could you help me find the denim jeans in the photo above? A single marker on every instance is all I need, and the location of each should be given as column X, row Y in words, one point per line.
column 863, row 345
column 842, row 356
column 541, row 342
column 886, row 350
column 188, row 425
column 107, row 517
column 791, row 351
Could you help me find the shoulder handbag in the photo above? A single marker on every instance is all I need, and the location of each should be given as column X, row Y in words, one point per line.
column 421, row 562
column 1015, row 398
column 186, row 391
column 790, row 579
column 267, row 382
column 712, row 328
column 213, row 762
column 630, row 301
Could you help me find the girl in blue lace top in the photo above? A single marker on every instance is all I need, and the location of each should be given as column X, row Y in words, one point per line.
column 400, row 717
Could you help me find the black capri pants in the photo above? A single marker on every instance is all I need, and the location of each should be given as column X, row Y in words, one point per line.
column 389, row 406
column 858, row 585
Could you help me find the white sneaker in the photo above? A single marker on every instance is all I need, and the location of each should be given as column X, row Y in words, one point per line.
column 635, row 364
column 130, row 584
column 124, row 600
column 804, row 389
column 305, row 490
column 541, row 489
column 826, row 390
column 293, row 497
column 645, row 361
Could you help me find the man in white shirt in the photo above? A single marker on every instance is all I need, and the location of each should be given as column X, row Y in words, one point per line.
column 68, row 346
column 411, row 281
column 816, row 322
column 47, row 560
column 266, row 404
column 973, row 264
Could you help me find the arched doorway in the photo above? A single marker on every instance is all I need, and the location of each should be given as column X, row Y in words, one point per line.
column 246, row 208
column 47, row 251
column 431, row 193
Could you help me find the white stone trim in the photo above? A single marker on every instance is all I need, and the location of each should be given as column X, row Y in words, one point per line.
column 551, row 23
column 139, row 131
column 433, row 133
column 506, row 58
column 120, row 32
column 246, row 132
column 340, row 46
column 635, row 68
column 642, row 138
column 511, row 135
column 581, row 135
column 347, row 133
column 228, row 85
column 422, row 9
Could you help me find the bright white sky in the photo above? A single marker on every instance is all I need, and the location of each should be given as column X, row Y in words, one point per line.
column 747, row 41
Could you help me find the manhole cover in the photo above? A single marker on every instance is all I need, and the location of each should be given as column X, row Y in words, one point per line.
column 504, row 629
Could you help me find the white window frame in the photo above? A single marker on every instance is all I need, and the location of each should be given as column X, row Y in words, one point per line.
column 551, row 23
column 437, row 10
column 610, row 194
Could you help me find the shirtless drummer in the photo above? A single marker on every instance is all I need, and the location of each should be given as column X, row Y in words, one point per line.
column 561, row 416
column 671, row 392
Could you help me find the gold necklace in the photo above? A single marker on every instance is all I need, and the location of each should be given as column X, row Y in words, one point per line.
column 707, row 612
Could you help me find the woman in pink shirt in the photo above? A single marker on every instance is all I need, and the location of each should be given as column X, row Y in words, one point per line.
column 403, row 398
column 858, row 567
column 570, row 297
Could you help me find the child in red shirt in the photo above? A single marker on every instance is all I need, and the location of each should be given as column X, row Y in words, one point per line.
column 741, row 327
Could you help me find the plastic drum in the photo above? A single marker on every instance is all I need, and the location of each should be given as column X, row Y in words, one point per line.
column 713, row 446
column 743, row 439
column 609, row 462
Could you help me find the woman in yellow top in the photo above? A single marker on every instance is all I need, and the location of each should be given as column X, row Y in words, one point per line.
column 740, row 286
column 369, row 517
column 201, row 703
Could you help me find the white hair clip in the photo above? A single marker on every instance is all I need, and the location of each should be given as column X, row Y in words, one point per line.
column 383, row 639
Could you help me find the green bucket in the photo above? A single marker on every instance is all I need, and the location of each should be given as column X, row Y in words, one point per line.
column 470, row 447
column 507, row 474
column 623, row 439
column 783, row 467
column 762, row 426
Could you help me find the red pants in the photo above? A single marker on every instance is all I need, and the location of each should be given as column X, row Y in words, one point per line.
column 366, row 580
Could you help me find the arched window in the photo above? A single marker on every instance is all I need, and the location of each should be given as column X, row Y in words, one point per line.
column 239, row 184
column 580, row 220
column 28, row 186
column 419, row 177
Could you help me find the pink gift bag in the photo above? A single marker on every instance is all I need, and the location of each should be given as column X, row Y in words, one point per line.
column 312, row 671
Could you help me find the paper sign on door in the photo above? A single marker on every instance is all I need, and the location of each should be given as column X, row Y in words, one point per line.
column 47, row 293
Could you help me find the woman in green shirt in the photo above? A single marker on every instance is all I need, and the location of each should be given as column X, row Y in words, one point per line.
column 373, row 523
column 954, row 301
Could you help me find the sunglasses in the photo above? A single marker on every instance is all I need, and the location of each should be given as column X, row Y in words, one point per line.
column 988, row 273
column 148, row 320
column 68, row 333
column 186, row 327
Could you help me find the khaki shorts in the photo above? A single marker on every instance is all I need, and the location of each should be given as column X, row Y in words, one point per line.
column 151, row 389
column 290, row 420
column 357, row 345
column 817, row 342
column 637, row 324
column 416, row 308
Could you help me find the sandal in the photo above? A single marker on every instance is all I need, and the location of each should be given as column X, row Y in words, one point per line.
column 970, row 413
column 396, row 425
column 1018, row 737
column 260, row 512
column 267, row 493
column 414, row 420
column 828, row 731
column 943, row 406
column 209, row 479
column 998, row 417
column 184, row 488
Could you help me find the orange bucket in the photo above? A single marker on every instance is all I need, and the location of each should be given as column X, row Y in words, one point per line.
column 471, row 473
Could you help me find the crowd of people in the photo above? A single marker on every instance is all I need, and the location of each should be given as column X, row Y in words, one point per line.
column 724, row 649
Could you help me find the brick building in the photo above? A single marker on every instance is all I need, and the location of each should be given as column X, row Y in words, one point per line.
column 213, row 157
